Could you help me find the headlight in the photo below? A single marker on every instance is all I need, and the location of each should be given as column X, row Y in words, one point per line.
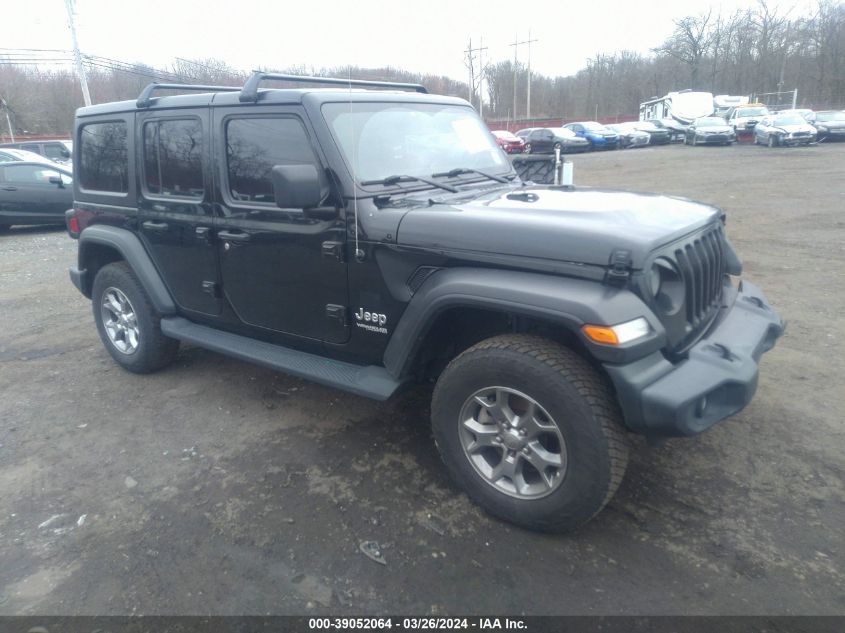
column 666, row 285
column 821, row 128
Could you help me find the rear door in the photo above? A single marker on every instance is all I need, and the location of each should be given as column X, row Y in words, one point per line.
column 175, row 205
column 281, row 270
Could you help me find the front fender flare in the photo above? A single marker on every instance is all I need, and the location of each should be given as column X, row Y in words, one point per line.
column 561, row 300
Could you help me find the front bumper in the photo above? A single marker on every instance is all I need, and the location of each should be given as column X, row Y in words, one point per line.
column 717, row 378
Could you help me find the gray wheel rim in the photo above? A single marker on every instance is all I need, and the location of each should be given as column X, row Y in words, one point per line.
column 120, row 321
column 512, row 443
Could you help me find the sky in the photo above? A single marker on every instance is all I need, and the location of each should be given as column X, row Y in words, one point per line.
column 427, row 36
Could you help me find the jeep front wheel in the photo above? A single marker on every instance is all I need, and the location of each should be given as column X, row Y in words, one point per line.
column 127, row 323
column 530, row 431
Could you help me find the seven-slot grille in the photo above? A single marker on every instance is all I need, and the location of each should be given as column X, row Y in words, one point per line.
column 702, row 264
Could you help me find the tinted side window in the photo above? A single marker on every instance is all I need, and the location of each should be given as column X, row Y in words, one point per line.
column 31, row 174
column 104, row 158
column 254, row 146
column 56, row 151
column 173, row 158
column 31, row 147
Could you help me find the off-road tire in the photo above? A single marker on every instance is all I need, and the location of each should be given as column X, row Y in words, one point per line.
column 580, row 403
column 154, row 350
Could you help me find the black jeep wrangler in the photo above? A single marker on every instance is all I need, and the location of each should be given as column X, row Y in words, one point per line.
column 369, row 239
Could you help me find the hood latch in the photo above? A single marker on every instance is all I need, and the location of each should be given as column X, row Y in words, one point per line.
column 620, row 267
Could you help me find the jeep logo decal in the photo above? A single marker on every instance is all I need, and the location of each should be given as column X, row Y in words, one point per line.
column 376, row 318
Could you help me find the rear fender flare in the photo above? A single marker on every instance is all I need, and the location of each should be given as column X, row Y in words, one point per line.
column 132, row 251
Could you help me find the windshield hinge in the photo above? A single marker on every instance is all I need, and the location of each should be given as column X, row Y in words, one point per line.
column 619, row 270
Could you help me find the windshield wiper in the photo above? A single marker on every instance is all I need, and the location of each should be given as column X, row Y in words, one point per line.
column 395, row 180
column 467, row 170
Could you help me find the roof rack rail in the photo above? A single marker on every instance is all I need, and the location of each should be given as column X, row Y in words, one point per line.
column 250, row 89
column 145, row 98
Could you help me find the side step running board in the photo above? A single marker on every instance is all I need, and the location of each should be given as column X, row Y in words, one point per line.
column 369, row 381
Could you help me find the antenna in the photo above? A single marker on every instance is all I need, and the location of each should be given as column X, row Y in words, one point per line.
column 359, row 254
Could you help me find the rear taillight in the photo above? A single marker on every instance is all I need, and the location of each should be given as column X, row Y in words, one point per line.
column 72, row 223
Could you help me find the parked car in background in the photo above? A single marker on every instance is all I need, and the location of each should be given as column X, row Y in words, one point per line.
column 630, row 136
column 509, row 141
column 599, row 136
column 830, row 125
column 744, row 118
column 656, row 135
column 10, row 154
column 710, row 130
column 545, row 140
column 34, row 193
column 805, row 113
column 676, row 130
column 784, row 129
column 58, row 151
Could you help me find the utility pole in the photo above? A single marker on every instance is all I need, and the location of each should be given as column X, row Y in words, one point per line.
column 470, row 57
column 80, row 69
column 5, row 107
column 515, row 45
column 528, row 104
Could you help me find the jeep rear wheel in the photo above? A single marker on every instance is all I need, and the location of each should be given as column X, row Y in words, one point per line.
column 530, row 431
column 127, row 323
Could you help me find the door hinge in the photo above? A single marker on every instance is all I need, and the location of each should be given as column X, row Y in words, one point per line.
column 336, row 314
column 333, row 250
column 619, row 270
column 211, row 287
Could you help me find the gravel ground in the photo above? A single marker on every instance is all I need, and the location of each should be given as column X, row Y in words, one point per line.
column 218, row 487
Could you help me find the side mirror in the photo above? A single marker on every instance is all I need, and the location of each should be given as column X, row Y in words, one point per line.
column 298, row 187
column 57, row 180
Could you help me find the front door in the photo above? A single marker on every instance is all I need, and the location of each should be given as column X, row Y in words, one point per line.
column 175, row 205
column 281, row 270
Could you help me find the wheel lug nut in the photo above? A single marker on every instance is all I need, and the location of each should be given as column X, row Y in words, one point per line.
column 526, row 450
column 522, row 432
column 498, row 438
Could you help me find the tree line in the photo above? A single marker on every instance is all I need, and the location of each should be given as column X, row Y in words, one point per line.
column 752, row 51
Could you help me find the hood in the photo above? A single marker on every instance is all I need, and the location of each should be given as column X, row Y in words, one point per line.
column 716, row 129
column 577, row 225
column 796, row 127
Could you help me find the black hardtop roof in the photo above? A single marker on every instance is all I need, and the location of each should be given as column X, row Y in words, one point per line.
column 202, row 95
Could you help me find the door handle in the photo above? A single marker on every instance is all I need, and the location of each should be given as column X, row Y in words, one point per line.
column 9, row 188
column 229, row 236
column 155, row 227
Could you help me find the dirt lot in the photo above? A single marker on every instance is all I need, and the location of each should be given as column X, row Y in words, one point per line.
column 217, row 487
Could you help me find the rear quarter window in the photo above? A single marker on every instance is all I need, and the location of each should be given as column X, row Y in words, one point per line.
column 104, row 157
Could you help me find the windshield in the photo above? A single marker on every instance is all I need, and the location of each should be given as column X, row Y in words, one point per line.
column 594, row 127
column 790, row 119
column 709, row 122
column 752, row 112
column 646, row 126
column 562, row 132
column 830, row 116
column 415, row 139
